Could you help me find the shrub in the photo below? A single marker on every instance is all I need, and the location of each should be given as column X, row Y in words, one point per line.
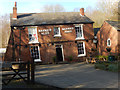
column 101, row 56
column 70, row 58
column 100, row 66
column 54, row 59
column 113, row 67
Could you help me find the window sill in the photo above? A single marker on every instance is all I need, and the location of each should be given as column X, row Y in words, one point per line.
column 81, row 55
column 57, row 35
column 32, row 42
column 80, row 38
column 37, row 60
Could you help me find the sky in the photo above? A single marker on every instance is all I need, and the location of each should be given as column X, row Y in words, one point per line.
column 36, row 6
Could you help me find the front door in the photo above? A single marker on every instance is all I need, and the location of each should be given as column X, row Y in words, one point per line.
column 59, row 53
column 35, row 53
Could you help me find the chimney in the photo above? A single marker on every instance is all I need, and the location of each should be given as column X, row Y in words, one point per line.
column 82, row 11
column 15, row 11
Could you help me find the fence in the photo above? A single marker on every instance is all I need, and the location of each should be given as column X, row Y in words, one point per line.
column 17, row 70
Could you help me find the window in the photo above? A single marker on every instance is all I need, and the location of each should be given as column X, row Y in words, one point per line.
column 57, row 32
column 108, row 42
column 32, row 34
column 35, row 54
column 79, row 32
column 81, row 49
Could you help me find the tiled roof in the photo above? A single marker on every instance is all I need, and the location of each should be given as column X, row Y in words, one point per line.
column 115, row 24
column 35, row 19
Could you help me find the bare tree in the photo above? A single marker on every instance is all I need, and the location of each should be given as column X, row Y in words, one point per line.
column 104, row 10
column 53, row 8
column 4, row 30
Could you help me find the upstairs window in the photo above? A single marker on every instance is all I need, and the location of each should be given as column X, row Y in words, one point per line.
column 108, row 42
column 32, row 34
column 79, row 31
column 81, row 49
column 57, row 32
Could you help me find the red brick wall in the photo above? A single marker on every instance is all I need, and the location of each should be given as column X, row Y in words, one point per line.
column 107, row 31
column 48, row 52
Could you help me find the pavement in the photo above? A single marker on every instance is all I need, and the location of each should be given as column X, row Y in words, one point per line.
column 77, row 75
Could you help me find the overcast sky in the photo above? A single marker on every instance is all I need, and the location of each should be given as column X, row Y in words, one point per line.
column 35, row 6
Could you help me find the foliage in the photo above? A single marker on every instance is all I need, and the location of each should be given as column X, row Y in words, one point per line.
column 53, row 8
column 113, row 67
column 54, row 59
column 70, row 58
column 110, row 66
column 105, row 9
column 4, row 30
column 101, row 56
column 100, row 66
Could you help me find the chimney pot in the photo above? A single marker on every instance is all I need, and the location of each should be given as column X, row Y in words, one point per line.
column 82, row 11
column 15, row 4
column 15, row 11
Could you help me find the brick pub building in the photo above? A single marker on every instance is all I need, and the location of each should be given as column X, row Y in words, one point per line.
column 43, row 36
column 108, row 37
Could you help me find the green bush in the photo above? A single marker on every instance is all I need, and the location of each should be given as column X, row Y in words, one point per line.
column 101, row 56
column 70, row 58
column 113, row 67
column 54, row 59
column 100, row 66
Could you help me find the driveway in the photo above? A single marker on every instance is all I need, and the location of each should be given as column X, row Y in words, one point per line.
column 78, row 75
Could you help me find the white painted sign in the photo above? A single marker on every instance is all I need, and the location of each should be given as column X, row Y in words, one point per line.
column 45, row 30
column 68, row 28
column 45, row 33
column 68, row 31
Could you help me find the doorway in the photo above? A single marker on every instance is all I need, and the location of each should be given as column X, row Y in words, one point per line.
column 59, row 53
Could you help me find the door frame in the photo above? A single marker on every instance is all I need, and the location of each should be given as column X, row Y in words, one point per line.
column 62, row 50
column 39, row 60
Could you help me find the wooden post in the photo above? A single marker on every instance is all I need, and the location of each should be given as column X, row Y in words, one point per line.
column 13, row 45
column 20, row 44
column 32, row 71
column 28, row 71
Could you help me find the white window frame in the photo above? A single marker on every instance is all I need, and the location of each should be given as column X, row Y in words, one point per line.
column 30, row 28
column 78, row 38
column 58, row 35
column 108, row 40
column 80, row 55
column 36, row 60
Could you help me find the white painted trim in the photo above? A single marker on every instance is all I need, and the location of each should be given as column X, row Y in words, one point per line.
column 79, row 38
column 32, row 42
column 62, row 50
column 35, row 27
column 14, row 18
column 107, row 42
column 36, row 60
column 58, row 35
column 82, row 38
column 80, row 55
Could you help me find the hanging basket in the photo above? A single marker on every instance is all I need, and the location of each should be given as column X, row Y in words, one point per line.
column 108, row 49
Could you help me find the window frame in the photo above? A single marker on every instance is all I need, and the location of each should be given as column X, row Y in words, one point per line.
column 58, row 35
column 31, row 28
column 36, row 60
column 80, row 55
column 108, row 40
column 78, row 38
